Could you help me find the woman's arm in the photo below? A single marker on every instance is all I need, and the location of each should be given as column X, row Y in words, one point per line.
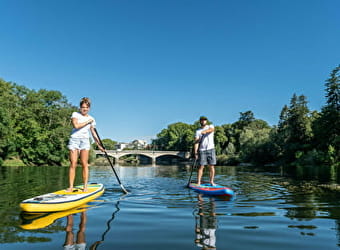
column 96, row 139
column 78, row 125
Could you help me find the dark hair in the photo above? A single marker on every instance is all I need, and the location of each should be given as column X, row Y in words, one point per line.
column 85, row 100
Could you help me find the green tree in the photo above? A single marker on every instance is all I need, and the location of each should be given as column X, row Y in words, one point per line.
column 8, row 116
column 44, row 127
column 220, row 139
column 228, row 146
column 245, row 119
column 34, row 125
column 177, row 136
column 108, row 144
column 294, row 129
column 326, row 126
column 252, row 140
column 245, row 140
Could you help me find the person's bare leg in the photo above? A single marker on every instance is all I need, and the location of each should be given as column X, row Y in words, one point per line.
column 212, row 174
column 84, row 157
column 82, row 227
column 199, row 174
column 69, row 239
column 72, row 171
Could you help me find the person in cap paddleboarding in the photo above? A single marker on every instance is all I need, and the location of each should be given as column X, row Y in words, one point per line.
column 79, row 143
column 204, row 149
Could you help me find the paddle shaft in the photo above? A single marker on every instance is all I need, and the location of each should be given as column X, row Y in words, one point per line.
column 192, row 168
column 194, row 164
column 111, row 164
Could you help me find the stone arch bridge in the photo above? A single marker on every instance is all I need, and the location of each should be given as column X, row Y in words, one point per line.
column 148, row 153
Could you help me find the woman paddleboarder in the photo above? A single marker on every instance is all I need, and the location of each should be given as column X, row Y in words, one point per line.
column 79, row 143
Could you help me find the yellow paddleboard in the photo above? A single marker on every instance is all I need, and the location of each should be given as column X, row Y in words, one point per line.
column 62, row 200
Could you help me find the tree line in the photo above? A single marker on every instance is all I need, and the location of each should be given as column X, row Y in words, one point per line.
column 35, row 127
column 301, row 137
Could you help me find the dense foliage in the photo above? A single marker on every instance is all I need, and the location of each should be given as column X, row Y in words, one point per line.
column 34, row 125
column 302, row 137
column 108, row 144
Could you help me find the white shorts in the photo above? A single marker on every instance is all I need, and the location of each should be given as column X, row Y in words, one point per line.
column 79, row 144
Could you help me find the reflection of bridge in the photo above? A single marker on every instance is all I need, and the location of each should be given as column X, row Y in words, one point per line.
column 148, row 153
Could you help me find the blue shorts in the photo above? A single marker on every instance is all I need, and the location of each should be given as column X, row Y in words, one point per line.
column 207, row 157
column 79, row 144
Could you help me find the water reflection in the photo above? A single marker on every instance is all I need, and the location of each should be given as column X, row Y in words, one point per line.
column 108, row 228
column 205, row 223
column 33, row 221
column 269, row 209
column 71, row 242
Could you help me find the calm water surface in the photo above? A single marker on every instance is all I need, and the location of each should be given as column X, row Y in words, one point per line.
column 270, row 211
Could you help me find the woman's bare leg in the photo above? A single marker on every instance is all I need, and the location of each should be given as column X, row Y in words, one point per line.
column 72, row 171
column 84, row 157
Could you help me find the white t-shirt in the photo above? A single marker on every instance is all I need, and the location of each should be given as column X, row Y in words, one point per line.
column 206, row 140
column 84, row 131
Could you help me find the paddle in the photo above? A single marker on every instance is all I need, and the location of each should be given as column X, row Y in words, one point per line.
column 111, row 164
column 194, row 164
column 192, row 168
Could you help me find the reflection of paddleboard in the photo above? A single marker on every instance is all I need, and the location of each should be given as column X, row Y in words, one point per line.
column 32, row 221
column 208, row 189
column 62, row 200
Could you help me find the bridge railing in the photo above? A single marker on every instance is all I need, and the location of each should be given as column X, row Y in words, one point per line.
column 141, row 151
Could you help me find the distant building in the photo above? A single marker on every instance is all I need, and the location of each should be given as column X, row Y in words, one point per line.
column 121, row 145
column 139, row 144
column 136, row 144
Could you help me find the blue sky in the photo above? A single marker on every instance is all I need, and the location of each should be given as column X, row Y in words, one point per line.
column 149, row 63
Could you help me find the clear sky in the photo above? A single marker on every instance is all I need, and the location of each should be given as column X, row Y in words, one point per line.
column 150, row 63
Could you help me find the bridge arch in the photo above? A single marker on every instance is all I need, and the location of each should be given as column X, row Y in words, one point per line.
column 153, row 155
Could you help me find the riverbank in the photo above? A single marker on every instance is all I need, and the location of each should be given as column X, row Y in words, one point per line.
column 13, row 162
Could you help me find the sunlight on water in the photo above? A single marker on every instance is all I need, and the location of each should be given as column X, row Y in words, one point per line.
column 269, row 211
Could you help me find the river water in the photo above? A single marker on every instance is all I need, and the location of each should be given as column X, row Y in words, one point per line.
column 270, row 210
